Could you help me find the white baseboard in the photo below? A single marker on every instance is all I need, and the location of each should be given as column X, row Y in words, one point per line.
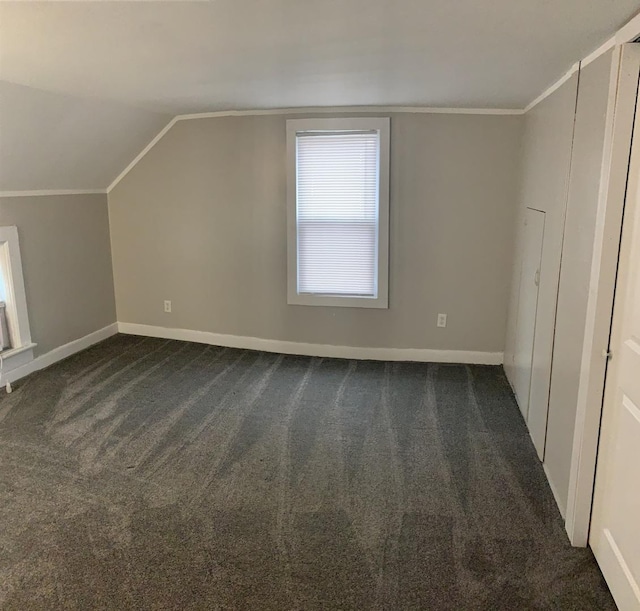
column 58, row 354
column 424, row 355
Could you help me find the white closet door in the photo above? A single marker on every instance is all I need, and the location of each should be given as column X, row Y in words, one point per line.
column 615, row 526
column 528, row 306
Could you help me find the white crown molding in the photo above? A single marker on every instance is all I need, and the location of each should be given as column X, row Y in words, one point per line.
column 143, row 152
column 313, row 110
column 307, row 111
column 47, row 192
column 627, row 33
column 547, row 92
column 58, row 354
column 423, row 355
column 601, row 50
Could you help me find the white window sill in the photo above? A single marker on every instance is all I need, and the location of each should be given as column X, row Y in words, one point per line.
column 14, row 358
column 309, row 299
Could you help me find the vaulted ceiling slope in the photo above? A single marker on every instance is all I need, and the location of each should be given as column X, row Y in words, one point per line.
column 88, row 83
column 54, row 141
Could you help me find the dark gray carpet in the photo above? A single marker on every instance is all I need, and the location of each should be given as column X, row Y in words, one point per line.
column 154, row 474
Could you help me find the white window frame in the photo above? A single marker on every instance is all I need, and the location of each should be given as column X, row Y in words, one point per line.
column 21, row 351
column 382, row 126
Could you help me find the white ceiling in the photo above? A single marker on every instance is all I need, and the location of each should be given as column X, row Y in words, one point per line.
column 138, row 61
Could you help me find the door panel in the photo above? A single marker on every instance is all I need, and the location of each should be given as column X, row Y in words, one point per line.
column 615, row 527
column 528, row 306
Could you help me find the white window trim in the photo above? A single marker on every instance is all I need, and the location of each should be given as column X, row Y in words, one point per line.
column 300, row 125
column 21, row 352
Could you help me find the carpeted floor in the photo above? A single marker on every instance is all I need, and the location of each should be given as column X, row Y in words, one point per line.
column 154, row 474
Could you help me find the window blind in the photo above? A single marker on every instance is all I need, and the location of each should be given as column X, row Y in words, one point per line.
column 337, row 212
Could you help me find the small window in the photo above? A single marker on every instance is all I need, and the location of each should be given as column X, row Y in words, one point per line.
column 338, row 212
column 16, row 347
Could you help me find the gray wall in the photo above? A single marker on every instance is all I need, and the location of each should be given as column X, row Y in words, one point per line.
column 201, row 220
column 545, row 177
column 577, row 253
column 66, row 258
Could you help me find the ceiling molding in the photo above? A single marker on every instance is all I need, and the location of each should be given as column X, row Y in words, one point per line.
column 561, row 81
column 306, row 111
column 352, row 109
column 601, row 50
column 49, row 192
column 142, row 153
column 627, row 33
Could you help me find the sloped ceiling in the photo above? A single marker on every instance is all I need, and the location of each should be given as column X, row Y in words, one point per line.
column 57, row 141
column 88, row 84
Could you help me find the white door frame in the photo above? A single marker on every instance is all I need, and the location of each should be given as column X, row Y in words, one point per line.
column 613, row 536
column 615, row 167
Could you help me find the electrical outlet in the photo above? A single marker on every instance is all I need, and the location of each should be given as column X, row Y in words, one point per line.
column 442, row 320
column 167, row 306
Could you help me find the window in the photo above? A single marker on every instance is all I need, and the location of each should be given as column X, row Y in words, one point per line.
column 19, row 348
column 338, row 212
